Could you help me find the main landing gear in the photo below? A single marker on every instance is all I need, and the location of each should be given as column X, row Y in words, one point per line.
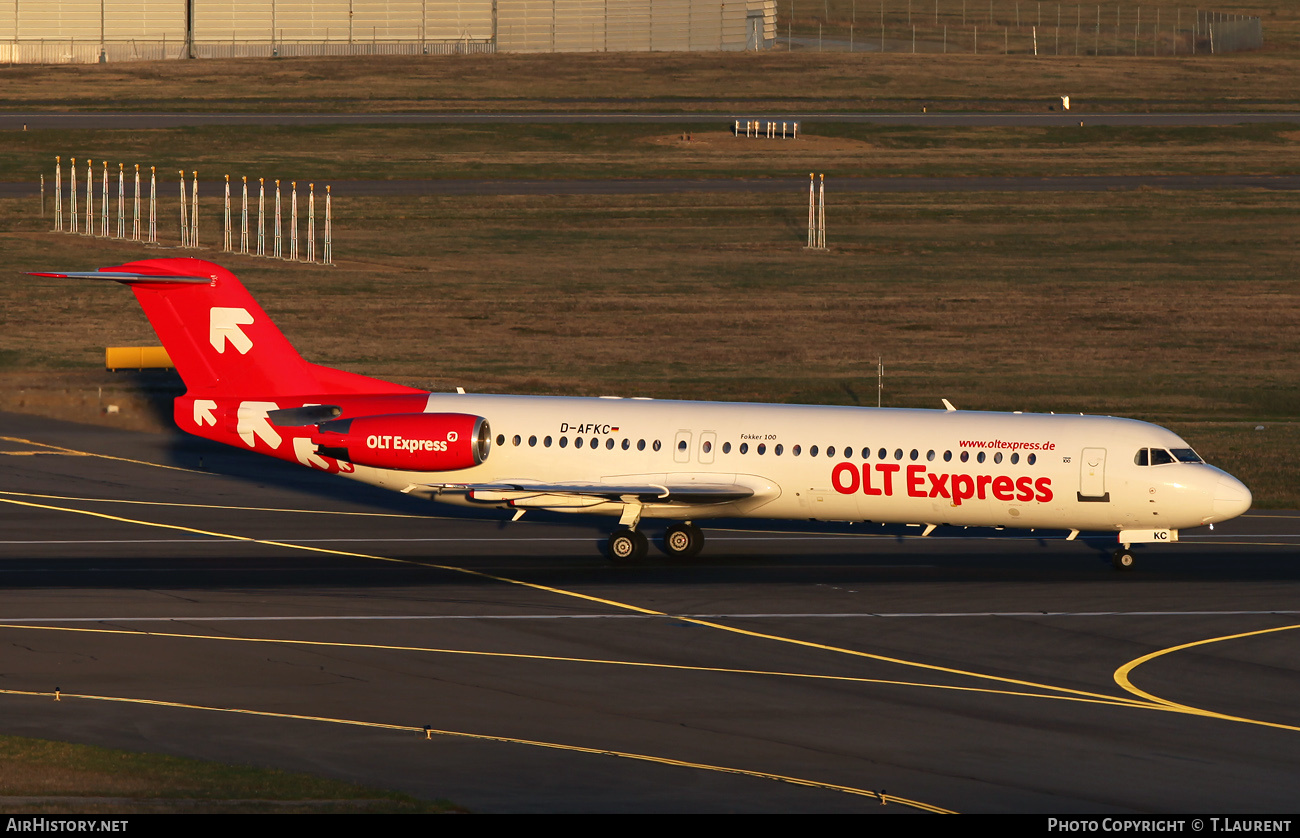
column 1122, row 558
column 681, row 541
column 627, row 545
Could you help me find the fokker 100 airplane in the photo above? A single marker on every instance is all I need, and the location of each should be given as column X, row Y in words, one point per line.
column 681, row 461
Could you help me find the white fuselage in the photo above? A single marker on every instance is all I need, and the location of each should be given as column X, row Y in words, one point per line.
column 841, row 463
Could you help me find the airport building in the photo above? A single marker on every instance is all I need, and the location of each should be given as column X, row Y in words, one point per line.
column 88, row 31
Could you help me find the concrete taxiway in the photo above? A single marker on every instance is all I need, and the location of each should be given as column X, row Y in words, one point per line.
column 195, row 600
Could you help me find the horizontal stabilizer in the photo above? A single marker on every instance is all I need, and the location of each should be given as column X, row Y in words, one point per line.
column 121, row 276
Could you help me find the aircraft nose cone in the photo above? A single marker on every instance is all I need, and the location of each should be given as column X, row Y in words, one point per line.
column 1231, row 498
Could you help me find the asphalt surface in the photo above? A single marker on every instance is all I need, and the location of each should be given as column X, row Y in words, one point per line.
column 196, row 600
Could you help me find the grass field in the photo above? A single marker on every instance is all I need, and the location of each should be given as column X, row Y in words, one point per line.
column 322, row 154
column 60, row 778
column 745, row 83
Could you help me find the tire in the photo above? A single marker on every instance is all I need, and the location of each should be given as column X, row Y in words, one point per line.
column 626, row 546
column 1123, row 559
column 683, row 541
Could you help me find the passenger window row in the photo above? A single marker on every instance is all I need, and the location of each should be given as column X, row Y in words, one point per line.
column 848, row 452
column 578, row 442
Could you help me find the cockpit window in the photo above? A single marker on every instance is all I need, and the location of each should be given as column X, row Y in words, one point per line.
column 1160, row 457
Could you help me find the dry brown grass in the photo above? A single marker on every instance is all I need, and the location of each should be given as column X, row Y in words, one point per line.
column 43, row 777
column 323, row 155
column 759, row 83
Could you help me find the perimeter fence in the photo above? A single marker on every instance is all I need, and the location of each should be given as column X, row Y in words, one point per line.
column 1009, row 27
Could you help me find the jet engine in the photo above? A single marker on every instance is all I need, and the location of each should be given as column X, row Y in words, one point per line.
column 407, row 441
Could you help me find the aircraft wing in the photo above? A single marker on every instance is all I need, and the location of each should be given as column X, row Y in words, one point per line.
column 641, row 492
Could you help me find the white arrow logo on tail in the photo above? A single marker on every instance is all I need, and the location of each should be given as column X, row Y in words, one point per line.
column 203, row 412
column 252, row 422
column 224, row 326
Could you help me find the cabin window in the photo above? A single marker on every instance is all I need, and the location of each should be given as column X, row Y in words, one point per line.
column 778, row 450
column 609, row 443
column 547, row 442
column 914, row 454
column 681, row 445
column 627, row 443
column 997, row 458
column 744, row 447
column 595, row 443
column 564, row 442
column 929, row 455
column 707, row 446
column 640, row 445
column 762, row 448
column 979, row 458
column 532, row 441
column 883, row 454
column 812, row 452
column 657, row 445
column 947, row 456
column 796, row 450
column 1033, row 458
column 1015, row 458
column 501, row 440
column 577, row 442
column 965, row 456
column 726, row 448
column 830, row 451
column 516, row 440
column 898, row 453
column 866, row 453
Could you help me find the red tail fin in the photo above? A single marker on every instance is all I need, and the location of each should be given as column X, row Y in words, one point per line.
column 220, row 340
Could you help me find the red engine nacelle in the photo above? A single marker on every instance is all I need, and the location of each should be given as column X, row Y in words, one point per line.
column 407, row 441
